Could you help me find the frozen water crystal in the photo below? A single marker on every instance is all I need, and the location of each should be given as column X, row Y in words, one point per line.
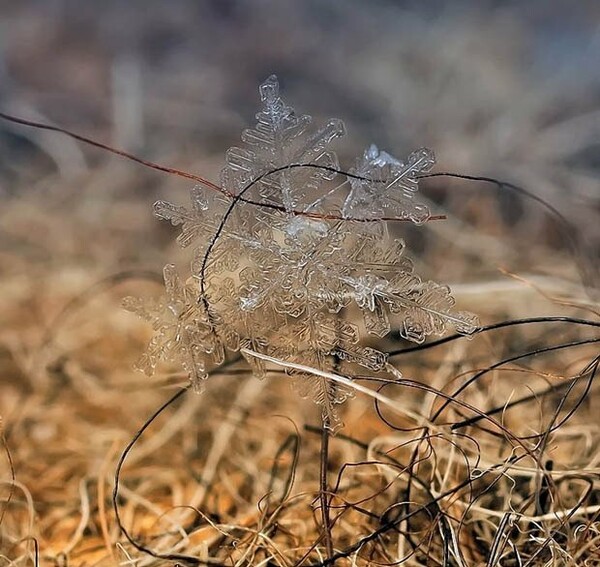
column 283, row 268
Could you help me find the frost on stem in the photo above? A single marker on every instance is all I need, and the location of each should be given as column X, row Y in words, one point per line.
column 289, row 285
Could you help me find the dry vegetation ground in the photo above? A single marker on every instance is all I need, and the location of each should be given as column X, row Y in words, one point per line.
column 232, row 475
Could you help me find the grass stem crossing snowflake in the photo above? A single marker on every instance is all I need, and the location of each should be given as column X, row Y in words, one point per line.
column 297, row 263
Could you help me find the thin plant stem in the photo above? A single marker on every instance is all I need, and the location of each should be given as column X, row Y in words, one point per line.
column 323, row 487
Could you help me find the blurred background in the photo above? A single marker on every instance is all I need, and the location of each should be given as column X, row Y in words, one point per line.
column 506, row 89
column 503, row 89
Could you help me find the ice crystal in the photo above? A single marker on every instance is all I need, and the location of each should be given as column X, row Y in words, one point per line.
column 284, row 268
column 387, row 186
column 182, row 331
column 281, row 138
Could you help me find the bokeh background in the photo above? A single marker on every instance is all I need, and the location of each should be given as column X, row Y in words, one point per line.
column 504, row 89
column 507, row 89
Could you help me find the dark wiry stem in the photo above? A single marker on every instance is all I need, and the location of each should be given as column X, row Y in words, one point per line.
column 323, row 487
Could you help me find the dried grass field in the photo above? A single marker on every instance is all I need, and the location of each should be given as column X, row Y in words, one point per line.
column 485, row 452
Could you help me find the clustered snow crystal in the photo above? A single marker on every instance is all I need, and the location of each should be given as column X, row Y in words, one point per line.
column 290, row 252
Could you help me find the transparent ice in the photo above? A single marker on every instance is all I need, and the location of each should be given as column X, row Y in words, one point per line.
column 301, row 250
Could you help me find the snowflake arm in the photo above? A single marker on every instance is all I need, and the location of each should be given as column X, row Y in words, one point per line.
column 182, row 331
column 388, row 186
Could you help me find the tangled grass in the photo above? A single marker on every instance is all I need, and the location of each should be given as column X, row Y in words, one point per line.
column 485, row 452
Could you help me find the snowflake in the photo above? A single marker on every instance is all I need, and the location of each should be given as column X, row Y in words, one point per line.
column 283, row 268
column 182, row 330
